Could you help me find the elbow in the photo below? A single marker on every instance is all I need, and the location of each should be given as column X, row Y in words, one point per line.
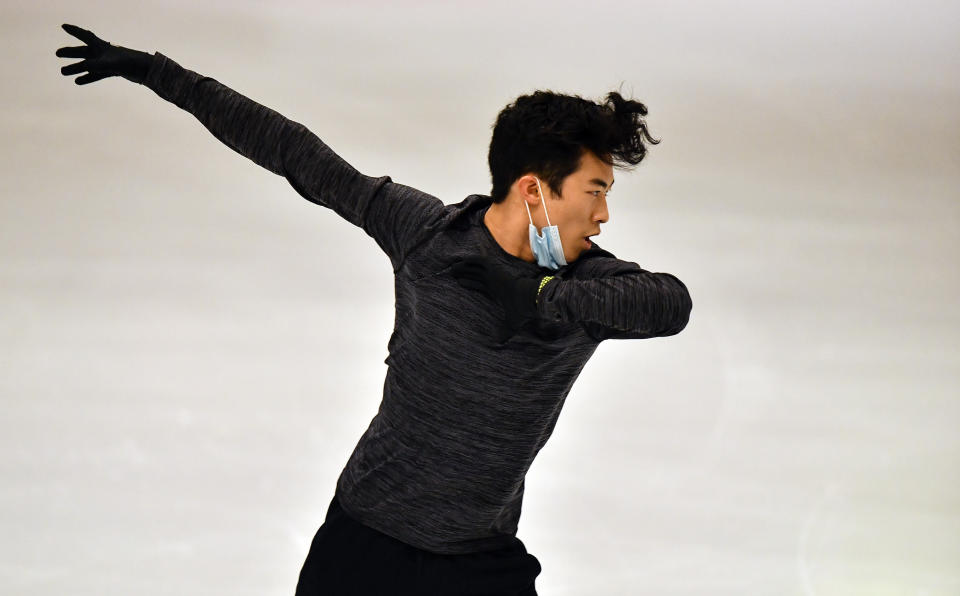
column 681, row 311
column 684, row 316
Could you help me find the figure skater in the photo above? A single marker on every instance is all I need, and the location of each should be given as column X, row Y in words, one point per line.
column 500, row 301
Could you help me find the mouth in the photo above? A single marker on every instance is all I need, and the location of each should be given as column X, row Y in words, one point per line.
column 587, row 242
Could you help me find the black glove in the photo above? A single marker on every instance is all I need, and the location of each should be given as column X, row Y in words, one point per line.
column 102, row 59
column 517, row 295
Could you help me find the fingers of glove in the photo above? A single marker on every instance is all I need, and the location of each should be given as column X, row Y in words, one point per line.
column 467, row 272
column 91, row 78
column 458, row 269
column 76, row 67
column 472, row 284
column 82, row 34
column 505, row 331
column 472, row 260
column 513, row 320
column 477, row 262
column 74, row 52
column 468, row 265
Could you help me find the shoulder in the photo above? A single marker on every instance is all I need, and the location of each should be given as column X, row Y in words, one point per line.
column 455, row 218
column 465, row 214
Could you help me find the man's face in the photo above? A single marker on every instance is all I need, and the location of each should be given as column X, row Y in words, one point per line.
column 583, row 206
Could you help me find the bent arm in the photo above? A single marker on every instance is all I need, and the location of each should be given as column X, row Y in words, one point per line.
column 625, row 303
column 393, row 214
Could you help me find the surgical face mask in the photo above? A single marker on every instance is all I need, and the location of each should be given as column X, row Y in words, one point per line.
column 546, row 248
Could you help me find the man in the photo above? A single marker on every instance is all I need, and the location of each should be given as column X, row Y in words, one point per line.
column 500, row 302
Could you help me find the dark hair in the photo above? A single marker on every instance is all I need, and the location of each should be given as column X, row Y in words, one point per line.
column 547, row 133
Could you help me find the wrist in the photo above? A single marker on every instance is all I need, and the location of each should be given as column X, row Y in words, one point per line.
column 131, row 64
column 542, row 284
column 141, row 65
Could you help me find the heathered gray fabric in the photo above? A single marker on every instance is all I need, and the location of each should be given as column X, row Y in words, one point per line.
column 442, row 464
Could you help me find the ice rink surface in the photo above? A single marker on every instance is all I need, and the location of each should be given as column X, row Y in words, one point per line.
column 190, row 350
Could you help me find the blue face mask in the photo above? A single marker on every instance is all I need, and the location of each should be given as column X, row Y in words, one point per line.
column 546, row 248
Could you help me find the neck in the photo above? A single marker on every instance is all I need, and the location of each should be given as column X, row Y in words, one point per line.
column 510, row 227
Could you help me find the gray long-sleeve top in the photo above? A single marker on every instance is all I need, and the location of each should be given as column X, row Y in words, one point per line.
column 442, row 465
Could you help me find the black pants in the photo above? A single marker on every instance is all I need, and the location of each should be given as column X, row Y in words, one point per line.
column 347, row 558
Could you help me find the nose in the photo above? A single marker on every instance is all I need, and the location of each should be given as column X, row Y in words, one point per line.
column 602, row 215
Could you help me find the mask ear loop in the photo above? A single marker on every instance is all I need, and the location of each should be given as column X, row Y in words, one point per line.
column 542, row 200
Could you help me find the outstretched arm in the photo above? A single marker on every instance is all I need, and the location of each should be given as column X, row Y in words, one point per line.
column 395, row 215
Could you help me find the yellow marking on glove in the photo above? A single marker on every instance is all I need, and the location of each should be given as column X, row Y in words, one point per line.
column 543, row 282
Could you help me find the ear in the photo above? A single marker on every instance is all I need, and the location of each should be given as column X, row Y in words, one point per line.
column 527, row 187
